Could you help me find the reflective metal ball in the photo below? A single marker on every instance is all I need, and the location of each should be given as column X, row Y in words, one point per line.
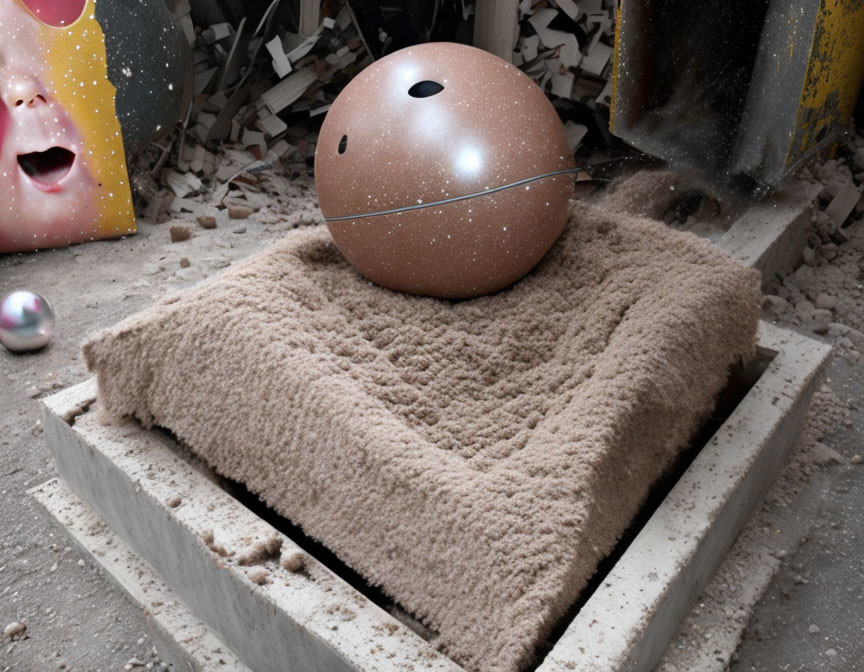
column 26, row 321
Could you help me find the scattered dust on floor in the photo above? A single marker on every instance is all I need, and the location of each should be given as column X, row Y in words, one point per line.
column 824, row 299
column 76, row 620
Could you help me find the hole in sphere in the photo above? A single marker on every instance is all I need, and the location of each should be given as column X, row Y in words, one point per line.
column 425, row 89
column 343, row 144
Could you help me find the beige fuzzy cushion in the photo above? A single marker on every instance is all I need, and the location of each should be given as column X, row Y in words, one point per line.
column 475, row 459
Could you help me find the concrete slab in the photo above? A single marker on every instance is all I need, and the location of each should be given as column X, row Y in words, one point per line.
column 206, row 546
column 771, row 235
column 181, row 638
column 269, row 615
column 628, row 622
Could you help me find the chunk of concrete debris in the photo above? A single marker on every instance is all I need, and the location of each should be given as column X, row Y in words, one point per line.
column 817, row 320
column 804, row 307
column 776, row 303
column 256, row 139
column 262, row 551
column 814, row 629
column 805, row 278
column 199, row 154
column 829, row 251
column 239, row 229
column 209, row 540
column 574, row 132
column 824, row 456
column 15, row 630
column 179, row 234
column 239, row 211
column 843, row 203
column 182, row 184
column 856, row 459
column 207, row 221
column 174, row 501
column 259, row 576
column 293, row 560
column 184, row 205
column 826, row 301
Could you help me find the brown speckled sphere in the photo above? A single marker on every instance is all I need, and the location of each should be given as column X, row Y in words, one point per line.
column 428, row 124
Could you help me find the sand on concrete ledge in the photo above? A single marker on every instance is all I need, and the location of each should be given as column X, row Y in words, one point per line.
column 475, row 459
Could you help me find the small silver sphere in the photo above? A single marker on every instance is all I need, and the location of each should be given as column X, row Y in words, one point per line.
column 26, row 321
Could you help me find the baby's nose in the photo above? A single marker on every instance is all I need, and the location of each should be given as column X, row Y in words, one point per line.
column 19, row 89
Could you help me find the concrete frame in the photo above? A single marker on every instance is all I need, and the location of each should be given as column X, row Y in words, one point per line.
column 288, row 622
column 770, row 236
column 182, row 639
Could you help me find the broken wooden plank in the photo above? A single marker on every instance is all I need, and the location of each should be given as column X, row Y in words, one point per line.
column 562, row 82
column 281, row 64
column 597, row 58
column 569, row 7
column 272, row 125
column 530, row 46
column 182, row 184
column 289, row 90
column 310, row 11
column 496, row 27
column 574, row 132
column 216, row 32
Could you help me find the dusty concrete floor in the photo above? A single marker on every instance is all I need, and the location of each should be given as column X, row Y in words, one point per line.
column 812, row 616
column 77, row 621
column 790, row 594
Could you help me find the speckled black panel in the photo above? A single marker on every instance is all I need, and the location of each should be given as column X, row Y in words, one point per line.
column 147, row 62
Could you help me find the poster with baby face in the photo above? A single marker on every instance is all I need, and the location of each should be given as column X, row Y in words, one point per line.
column 63, row 176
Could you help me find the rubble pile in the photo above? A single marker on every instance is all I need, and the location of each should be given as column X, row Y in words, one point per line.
column 259, row 91
column 823, row 293
column 264, row 73
column 567, row 47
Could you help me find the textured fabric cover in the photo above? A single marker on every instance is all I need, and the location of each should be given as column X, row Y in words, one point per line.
column 475, row 459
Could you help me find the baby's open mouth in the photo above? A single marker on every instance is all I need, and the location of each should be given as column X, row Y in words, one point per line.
column 48, row 167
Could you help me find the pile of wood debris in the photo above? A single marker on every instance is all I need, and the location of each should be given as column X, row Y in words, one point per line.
column 261, row 85
column 568, row 50
column 266, row 71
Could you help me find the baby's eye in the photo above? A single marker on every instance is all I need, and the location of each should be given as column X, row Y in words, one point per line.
column 56, row 13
